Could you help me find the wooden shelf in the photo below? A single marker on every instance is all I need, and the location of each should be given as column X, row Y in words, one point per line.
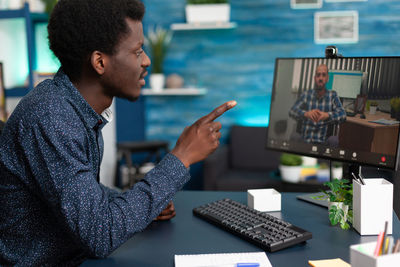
column 203, row 26
column 175, row 91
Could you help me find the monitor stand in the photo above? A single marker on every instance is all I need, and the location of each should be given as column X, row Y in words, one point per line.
column 309, row 198
column 347, row 170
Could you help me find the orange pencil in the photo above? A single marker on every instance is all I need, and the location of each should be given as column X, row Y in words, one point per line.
column 378, row 244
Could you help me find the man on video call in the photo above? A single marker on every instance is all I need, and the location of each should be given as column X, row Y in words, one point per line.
column 317, row 109
column 54, row 211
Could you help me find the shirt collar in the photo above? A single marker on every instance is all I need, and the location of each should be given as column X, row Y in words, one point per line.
column 325, row 95
column 72, row 94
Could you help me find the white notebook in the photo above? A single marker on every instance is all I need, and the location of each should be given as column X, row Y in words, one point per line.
column 222, row 259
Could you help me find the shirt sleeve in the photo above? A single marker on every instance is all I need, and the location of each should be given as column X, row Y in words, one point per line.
column 338, row 114
column 99, row 218
column 296, row 111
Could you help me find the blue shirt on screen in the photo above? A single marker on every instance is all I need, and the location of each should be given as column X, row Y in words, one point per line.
column 53, row 209
column 316, row 132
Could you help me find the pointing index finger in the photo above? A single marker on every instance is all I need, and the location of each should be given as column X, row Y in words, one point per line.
column 218, row 112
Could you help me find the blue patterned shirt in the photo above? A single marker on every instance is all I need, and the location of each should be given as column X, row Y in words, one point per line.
column 316, row 132
column 53, row 209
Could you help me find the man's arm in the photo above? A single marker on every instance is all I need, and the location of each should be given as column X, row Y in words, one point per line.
column 297, row 112
column 338, row 114
column 97, row 217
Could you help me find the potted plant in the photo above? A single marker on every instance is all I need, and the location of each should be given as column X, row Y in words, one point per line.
column 340, row 198
column 395, row 108
column 337, row 170
column 157, row 41
column 373, row 106
column 207, row 11
column 290, row 167
column 49, row 5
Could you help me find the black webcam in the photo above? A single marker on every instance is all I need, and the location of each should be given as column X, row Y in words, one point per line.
column 331, row 51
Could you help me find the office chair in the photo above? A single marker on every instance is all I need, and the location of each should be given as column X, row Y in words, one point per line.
column 332, row 133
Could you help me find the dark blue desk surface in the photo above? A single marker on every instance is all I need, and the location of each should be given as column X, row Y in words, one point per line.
column 186, row 234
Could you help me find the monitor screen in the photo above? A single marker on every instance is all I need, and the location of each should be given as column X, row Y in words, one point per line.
column 326, row 108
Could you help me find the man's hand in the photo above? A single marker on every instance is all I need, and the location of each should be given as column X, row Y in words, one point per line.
column 312, row 115
column 167, row 213
column 323, row 116
column 202, row 138
column 316, row 115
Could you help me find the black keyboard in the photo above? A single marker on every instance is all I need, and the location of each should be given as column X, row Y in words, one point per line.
column 262, row 229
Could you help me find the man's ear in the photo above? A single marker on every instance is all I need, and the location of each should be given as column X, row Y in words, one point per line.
column 98, row 60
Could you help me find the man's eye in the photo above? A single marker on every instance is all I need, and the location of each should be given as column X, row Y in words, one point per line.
column 138, row 53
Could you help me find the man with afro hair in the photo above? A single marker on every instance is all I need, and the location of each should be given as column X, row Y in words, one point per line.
column 54, row 210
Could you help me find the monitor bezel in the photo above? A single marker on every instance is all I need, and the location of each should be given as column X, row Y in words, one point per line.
column 396, row 166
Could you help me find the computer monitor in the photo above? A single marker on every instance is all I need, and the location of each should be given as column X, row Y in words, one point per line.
column 342, row 83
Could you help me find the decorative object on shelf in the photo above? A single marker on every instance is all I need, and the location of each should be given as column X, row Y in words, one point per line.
column 203, row 26
column 174, row 81
column 207, row 11
column 373, row 106
column 12, row 4
column 157, row 41
column 301, row 4
column 395, row 108
column 49, row 5
column 157, row 81
column 309, row 161
column 323, row 172
column 290, row 167
column 340, row 197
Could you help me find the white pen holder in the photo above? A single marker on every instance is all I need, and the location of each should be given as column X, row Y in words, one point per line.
column 372, row 206
column 362, row 255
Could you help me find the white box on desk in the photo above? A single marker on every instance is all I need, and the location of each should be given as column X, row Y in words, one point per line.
column 361, row 255
column 372, row 206
column 264, row 199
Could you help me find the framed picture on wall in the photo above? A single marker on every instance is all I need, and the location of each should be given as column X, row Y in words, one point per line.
column 3, row 114
column 305, row 4
column 336, row 27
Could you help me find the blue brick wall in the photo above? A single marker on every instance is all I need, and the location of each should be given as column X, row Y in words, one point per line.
column 239, row 63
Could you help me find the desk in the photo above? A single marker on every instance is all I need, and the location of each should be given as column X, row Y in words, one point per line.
column 361, row 135
column 186, row 234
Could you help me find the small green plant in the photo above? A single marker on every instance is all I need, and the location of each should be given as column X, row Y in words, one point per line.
column 203, row 2
column 290, row 160
column 158, row 40
column 336, row 164
column 395, row 103
column 49, row 5
column 340, row 191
